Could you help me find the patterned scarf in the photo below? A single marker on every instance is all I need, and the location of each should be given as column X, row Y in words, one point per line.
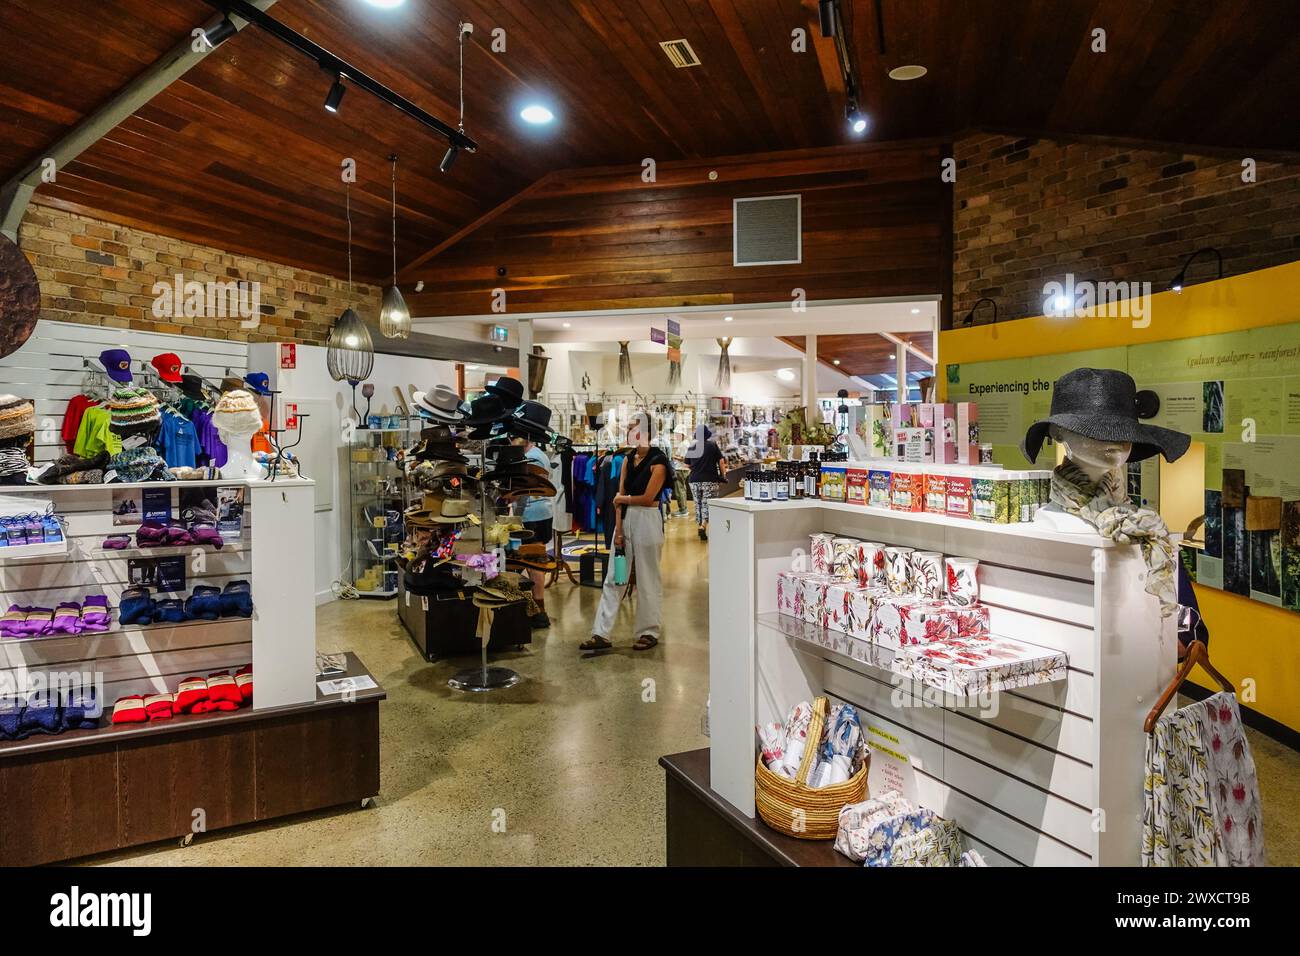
column 1105, row 505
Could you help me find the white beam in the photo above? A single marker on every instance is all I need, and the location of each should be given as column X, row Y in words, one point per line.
column 525, row 332
column 903, row 344
column 809, row 371
column 16, row 194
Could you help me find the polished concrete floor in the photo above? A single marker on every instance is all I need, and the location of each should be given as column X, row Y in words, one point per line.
column 559, row 770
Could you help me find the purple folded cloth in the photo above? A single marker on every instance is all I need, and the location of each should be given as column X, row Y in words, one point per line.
column 38, row 622
column 206, row 534
column 95, row 615
column 67, row 619
column 151, row 534
column 117, row 542
column 12, row 623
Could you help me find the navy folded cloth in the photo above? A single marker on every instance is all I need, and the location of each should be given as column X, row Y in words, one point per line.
column 136, row 607
column 204, row 603
column 237, row 600
column 80, row 710
column 170, row 611
column 11, row 714
column 41, row 715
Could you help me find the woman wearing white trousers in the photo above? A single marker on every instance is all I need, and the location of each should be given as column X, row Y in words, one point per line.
column 639, row 531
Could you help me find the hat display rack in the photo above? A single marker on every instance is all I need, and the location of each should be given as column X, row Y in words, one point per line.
column 455, row 433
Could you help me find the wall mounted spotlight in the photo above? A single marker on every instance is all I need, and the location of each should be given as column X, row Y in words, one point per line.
column 219, row 34
column 970, row 316
column 1181, row 279
column 449, row 159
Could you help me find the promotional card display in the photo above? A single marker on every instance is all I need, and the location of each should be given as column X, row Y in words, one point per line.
column 230, row 510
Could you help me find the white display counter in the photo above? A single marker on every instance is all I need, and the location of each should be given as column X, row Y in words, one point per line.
column 1050, row 774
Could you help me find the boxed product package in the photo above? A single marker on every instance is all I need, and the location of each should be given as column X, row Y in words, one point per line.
column 907, row 491
column 822, row 552
column 855, row 486
column 990, row 500
column 914, row 444
column 924, row 622
column 833, row 478
column 875, row 428
column 851, row 609
column 936, row 493
column 810, row 598
column 890, row 613
column 787, row 587
column 968, row 668
column 971, row 622
column 878, row 481
column 940, row 419
column 957, row 493
column 968, row 433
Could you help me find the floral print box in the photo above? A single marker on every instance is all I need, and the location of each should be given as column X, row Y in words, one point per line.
column 900, row 621
column 968, row 667
column 851, row 609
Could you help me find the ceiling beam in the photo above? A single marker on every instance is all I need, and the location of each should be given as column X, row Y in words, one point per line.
column 903, row 343
column 16, row 194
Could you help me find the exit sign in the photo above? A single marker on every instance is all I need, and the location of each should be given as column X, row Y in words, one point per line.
column 500, row 333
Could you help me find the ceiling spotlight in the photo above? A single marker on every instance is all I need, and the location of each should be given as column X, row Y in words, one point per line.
column 471, row 368
column 568, row 325
column 219, row 34
column 835, row 361
column 916, row 311
column 826, row 16
column 536, row 114
column 728, row 318
column 449, row 159
column 386, row 4
column 785, row 374
column 912, row 71
column 857, row 119
column 335, row 96
column 419, row 286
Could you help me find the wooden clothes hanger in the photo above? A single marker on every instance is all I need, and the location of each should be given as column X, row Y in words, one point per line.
column 1198, row 653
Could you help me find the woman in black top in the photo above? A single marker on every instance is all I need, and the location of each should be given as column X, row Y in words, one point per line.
column 708, row 470
column 639, row 531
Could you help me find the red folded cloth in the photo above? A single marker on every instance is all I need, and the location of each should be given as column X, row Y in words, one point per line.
column 223, row 693
column 159, row 706
column 130, row 710
column 244, row 680
column 191, row 696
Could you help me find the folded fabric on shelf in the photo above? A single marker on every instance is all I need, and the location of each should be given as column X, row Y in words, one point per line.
column 192, row 692
column 223, row 692
column 159, row 706
column 41, row 715
column 67, row 619
column 95, row 615
column 130, row 710
column 81, row 710
column 244, row 681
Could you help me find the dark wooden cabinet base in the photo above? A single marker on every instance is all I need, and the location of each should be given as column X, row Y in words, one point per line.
column 703, row 829
column 450, row 628
column 87, row 792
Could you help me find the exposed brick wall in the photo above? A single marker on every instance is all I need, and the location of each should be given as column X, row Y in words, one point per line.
column 100, row 273
column 1027, row 211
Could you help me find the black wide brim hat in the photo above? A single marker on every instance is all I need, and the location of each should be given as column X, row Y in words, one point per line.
column 1105, row 405
column 509, row 390
column 486, row 410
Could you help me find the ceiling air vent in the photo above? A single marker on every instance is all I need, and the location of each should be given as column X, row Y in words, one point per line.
column 681, row 53
column 767, row 231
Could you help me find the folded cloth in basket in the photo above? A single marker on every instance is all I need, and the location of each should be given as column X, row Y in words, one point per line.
column 858, row 819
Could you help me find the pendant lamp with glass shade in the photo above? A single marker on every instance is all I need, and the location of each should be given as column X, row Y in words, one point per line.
column 394, row 317
column 349, row 351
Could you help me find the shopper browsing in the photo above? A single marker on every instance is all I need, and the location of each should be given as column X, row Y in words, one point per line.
column 639, row 532
column 707, row 472
column 538, row 515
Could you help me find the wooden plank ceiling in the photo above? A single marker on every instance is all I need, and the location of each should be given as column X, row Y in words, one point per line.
column 239, row 154
column 868, row 354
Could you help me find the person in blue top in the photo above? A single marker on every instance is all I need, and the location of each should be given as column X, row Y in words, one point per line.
column 538, row 514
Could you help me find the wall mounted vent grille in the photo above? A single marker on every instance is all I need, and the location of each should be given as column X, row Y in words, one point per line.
column 680, row 53
column 767, row 231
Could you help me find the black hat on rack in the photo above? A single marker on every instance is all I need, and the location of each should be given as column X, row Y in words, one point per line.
column 1104, row 404
column 532, row 420
column 192, row 385
column 509, row 390
column 437, row 444
column 486, row 410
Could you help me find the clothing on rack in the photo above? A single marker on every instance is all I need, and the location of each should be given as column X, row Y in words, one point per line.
column 178, row 442
column 94, row 435
column 72, row 415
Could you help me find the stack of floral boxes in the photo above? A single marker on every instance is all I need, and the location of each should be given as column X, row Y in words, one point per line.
column 920, row 605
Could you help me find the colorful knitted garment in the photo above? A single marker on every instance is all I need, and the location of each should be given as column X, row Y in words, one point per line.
column 1106, row 505
column 140, row 464
column 132, row 406
column 13, row 461
column 17, row 416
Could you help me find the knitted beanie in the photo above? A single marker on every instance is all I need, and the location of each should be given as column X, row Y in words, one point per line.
column 237, row 413
column 132, row 406
column 17, row 416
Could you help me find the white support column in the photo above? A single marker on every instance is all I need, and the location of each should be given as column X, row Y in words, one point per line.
column 810, row 371
column 525, row 331
column 900, row 354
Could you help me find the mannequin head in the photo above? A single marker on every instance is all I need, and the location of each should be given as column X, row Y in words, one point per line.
column 237, row 420
column 1093, row 456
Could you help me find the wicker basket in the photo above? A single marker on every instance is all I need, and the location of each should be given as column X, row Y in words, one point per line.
column 798, row 810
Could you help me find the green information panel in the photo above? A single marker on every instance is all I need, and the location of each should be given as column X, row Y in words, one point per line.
column 1238, row 393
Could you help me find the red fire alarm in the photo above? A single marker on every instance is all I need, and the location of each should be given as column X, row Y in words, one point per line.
column 288, row 355
column 291, row 415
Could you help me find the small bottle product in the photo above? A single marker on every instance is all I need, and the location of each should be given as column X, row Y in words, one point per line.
column 812, row 470
column 764, row 486
column 748, row 483
column 793, row 480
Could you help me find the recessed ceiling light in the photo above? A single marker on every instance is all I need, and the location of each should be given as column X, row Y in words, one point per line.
column 835, row 361
column 916, row 311
column 729, row 318
column 386, row 4
column 893, row 356
column 471, row 368
column 568, row 325
column 785, row 374
column 536, row 114
column 912, row 71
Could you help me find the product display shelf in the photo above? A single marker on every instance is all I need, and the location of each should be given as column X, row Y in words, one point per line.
column 1037, row 775
column 377, row 488
column 836, row 645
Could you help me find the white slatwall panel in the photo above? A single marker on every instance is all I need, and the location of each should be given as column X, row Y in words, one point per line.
column 48, row 368
column 131, row 660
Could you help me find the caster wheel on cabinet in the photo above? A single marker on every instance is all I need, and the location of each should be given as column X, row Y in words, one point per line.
column 367, row 802
column 186, row 840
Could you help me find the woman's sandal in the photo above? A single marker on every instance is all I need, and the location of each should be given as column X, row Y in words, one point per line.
column 595, row 644
column 645, row 642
